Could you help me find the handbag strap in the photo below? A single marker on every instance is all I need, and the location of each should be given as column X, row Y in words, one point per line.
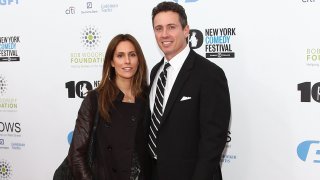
column 94, row 129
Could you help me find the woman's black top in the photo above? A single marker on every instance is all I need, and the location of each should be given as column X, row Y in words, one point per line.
column 119, row 142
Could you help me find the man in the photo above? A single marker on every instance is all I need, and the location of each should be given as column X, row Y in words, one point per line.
column 189, row 103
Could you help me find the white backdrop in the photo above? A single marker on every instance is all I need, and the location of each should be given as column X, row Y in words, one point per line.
column 273, row 78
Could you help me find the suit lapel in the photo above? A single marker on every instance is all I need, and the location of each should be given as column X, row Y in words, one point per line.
column 178, row 84
column 152, row 76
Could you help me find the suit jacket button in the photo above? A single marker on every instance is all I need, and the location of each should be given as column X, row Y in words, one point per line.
column 109, row 148
column 133, row 118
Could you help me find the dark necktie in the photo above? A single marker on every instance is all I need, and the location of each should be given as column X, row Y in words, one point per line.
column 157, row 111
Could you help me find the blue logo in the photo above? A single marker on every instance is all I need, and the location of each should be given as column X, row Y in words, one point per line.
column 309, row 148
column 8, row 2
column 1, row 141
column 70, row 137
column 187, row 1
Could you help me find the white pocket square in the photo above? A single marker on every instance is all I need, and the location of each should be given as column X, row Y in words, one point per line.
column 184, row 98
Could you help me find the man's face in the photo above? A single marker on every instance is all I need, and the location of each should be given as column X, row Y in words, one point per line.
column 170, row 36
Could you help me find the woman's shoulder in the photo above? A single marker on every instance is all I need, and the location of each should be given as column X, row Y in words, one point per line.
column 91, row 98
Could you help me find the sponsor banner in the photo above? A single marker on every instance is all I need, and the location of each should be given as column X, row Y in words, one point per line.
column 11, row 135
column 313, row 57
column 7, row 104
column 90, row 39
column 9, row 2
column 90, row 7
column 227, row 157
column 79, row 89
column 309, row 92
column 8, row 48
column 309, row 151
column 6, row 170
column 217, row 42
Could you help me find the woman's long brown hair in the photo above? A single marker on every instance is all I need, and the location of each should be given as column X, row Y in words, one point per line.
column 107, row 88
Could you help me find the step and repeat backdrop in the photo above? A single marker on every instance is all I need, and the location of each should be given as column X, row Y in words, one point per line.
column 51, row 53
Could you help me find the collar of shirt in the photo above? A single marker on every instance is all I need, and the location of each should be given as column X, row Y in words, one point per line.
column 172, row 73
column 120, row 96
column 177, row 61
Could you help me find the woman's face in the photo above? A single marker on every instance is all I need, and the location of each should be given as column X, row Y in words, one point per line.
column 125, row 60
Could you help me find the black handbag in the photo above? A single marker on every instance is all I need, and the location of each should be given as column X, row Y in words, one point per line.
column 63, row 172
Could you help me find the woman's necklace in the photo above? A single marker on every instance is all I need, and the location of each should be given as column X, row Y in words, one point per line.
column 128, row 99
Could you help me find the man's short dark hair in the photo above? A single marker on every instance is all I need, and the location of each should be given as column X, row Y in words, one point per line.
column 171, row 6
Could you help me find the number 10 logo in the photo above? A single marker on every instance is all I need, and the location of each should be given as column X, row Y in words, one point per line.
column 80, row 88
column 308, row 91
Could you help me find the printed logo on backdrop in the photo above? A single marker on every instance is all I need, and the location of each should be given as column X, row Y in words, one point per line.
column 228, row 157
column 10, row 129
column 3, row 85
column 309, row 151
column 309, row 92
column 195, row 38
column 9, row 2
column 89, row 8
column 217, row 41
column 71, row 10
column 80, row 88
column 308, row 1
column 89, row 5
column 5, row 170
column 313, row 57
column 69, row 137
column 90, row 37
column 10, row 135
column 3, row 144
column 90, row 56
column 7, row 104
column 8, row 48
column 109, row 7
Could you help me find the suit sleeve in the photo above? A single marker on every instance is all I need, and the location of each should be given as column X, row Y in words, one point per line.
column 78, row 151
column 214, row 120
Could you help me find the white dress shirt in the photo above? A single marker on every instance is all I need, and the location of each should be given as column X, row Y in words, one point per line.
column 172, row 73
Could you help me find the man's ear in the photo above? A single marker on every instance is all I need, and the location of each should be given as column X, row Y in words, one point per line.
column 186, row 31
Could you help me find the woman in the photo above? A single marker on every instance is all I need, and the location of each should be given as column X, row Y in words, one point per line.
column 120, row 149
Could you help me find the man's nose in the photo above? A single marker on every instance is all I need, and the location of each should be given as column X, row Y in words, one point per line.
column 164, row 33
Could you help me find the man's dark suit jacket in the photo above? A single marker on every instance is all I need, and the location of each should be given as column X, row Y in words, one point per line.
column 193, row 132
